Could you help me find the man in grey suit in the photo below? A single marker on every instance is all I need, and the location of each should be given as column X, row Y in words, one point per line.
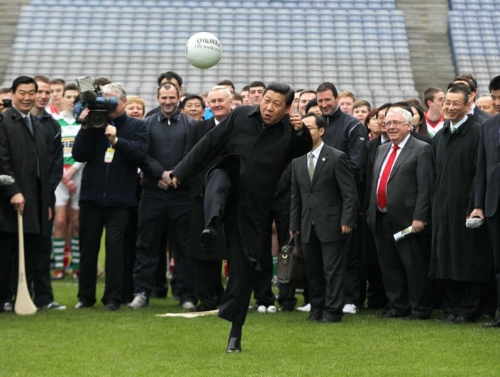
column 323, row 209
column 401, row 197
column 487, row 190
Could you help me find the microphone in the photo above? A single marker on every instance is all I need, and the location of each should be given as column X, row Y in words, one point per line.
column 89, row 96
column 6, row 180
column 473, row 222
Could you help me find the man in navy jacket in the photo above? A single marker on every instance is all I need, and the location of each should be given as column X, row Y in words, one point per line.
column 109, row 179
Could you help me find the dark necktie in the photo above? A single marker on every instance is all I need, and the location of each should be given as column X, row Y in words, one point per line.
column 310, row 166
column 382, row 187
column 27, row 120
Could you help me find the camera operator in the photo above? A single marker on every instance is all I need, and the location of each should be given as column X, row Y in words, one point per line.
column 5, row 99
column 107, row 194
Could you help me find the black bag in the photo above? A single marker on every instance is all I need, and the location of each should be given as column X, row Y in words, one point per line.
column 291, row 268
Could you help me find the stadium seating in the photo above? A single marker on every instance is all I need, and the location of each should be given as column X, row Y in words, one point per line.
column 359, row 45
column 476, row 47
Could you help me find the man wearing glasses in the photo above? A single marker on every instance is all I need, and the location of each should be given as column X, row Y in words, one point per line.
column 323, row 209
column 400, row 198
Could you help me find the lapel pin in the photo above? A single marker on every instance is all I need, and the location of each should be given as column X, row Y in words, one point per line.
column 324, row 159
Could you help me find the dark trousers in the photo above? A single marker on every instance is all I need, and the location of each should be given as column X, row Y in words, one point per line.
column 234, row 305
column 325, row 269
column 262, row 289
column 281, row 217
column 129, row 257
column 372, row 287
column 404, row 267
column 160, row 211
column 34, row 263
column 208, row 288
column 42, row 282
column 93, row 220
column 354, row 267
column 494, row 230
column 465, row 297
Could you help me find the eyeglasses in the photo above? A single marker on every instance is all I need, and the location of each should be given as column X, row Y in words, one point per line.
column 455, row 104
column 394, row 123
column 312, row 128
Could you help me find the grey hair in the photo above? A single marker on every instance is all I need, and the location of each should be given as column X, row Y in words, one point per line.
column 220, row 87
column 115, row 87
column 408, row 118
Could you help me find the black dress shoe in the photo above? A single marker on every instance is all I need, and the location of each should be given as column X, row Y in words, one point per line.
column 204, row 308
column 207, row 240
column 418, row 316
column 112, row 306
column 486, row 317
column 390, row 314
column 234, row 345
column 491, row 325
column 460, row 320
column 448, row 319
column 330, row 320
column 313, row 318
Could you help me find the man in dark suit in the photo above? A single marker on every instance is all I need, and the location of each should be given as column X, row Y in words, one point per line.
column 323, row 209
column 376, row 297
column 469, row 80
column 487, row 190
column 461, row 257
column 23, row 156
column 348, row 134
column 400, row 197
column 256, row 143
column 207, row 267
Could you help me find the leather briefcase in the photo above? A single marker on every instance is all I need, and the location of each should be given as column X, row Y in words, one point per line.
column 291, row 268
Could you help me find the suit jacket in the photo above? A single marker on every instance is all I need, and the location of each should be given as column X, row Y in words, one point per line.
column 488, row 172
column 197, row 223
column 372, row 147
column 409, row 186
column 199, row 130
column 330, row 199
column 481, row 115
column 23, row 156
column 255, row 158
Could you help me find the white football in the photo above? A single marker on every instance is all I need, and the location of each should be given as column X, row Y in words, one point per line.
column 203, row 50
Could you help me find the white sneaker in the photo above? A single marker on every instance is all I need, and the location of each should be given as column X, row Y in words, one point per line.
column 350, row 309
column 140, row 301
column 261, row 309
column 188, row 305
column 7, row 307
column 304, row 308
column 55, row 306
column 271, row 309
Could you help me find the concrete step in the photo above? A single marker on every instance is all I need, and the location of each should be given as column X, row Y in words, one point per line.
column 9, row 16
column 430, row 52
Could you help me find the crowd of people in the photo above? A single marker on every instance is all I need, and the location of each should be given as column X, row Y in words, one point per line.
column 396, row 206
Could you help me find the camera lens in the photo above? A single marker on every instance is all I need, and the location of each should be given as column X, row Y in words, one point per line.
column 98, row 118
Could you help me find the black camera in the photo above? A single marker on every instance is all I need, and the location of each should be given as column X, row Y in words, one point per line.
column 91, row 97
column 7, row 103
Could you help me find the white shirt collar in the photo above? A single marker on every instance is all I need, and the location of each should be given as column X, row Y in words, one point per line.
column 317, row 151
column 403, row 143
column 460, row 122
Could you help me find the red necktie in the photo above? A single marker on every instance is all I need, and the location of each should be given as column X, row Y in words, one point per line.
column 382, row 187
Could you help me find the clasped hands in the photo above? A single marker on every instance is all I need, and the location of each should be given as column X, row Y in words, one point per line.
column 165, row 181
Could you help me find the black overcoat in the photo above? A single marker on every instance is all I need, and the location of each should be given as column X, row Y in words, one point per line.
column 197, row 222
column 24, row 157
column 261, row 154
column 458, row 253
